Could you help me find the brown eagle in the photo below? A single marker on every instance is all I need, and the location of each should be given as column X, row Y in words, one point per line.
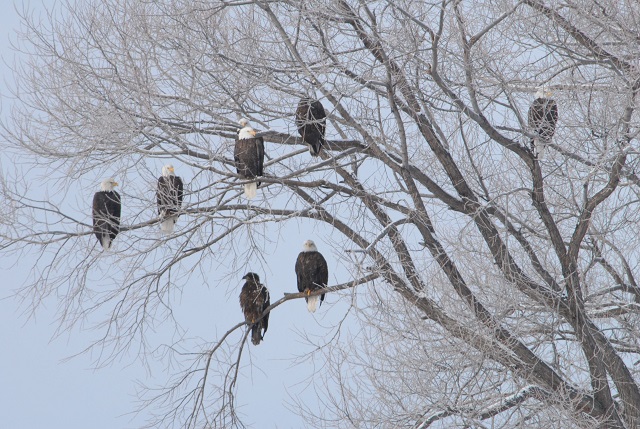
column 311, row 121
column 254, row 300
column 312, row 273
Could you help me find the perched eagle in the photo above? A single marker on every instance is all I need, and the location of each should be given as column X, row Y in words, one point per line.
column 311, row 121
column 543, row 116
column 249, row 157
column 106, row 213
column 312, row 273
column 169, row 195
column 254, row 300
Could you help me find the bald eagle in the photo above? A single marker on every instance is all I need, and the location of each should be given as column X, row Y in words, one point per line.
column 312, row 273
column 311, row 121
column 169, row 193
column 254, row 300
column 249, row 157
column 106, row 213
column 543, row 116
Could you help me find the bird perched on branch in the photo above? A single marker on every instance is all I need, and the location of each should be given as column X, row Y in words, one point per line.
column 254, row 300
column 543, row 116
column 312, row 273
column 311, row 121
column 169, row 193
column 106, row 213
column 249, row 157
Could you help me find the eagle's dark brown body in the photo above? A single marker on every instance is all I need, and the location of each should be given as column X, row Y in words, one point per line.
column 169, row 195
column 249, row 157
column 543, row 117
column 106, row 217
column 311, row 122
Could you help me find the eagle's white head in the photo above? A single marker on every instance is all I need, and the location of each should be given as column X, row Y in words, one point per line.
column 246, row 132
column 108, row 185
column 542, row 92
column 168, row 170
column 309, row 246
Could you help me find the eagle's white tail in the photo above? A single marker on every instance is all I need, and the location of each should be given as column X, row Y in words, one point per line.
column 250, row 190
column 312, row 303
column 539, row 146
column 106, row 242
column 166, row 226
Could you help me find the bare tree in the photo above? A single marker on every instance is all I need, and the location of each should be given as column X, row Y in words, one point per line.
column 493, row 285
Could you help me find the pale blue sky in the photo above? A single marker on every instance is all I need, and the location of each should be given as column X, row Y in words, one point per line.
column 40, row 388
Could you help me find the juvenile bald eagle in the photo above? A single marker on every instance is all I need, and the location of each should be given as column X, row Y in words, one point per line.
column 106, row 213
column 543, row 116
column 312, row 273
column 249, row 157
column 311, row 121
column 254, row 300
column 169, row 193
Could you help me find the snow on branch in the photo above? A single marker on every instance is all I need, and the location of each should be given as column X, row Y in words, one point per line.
column 491, row 410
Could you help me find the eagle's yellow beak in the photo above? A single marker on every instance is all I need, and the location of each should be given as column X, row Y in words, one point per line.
column 115, row 183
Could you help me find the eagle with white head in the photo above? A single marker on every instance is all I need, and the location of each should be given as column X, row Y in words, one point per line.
column 543, row 117
column 106, row 213
column 312, row 274
column 249, row 157
column 169, row 194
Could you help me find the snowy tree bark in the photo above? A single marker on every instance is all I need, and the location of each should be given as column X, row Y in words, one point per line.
column 492, row 286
